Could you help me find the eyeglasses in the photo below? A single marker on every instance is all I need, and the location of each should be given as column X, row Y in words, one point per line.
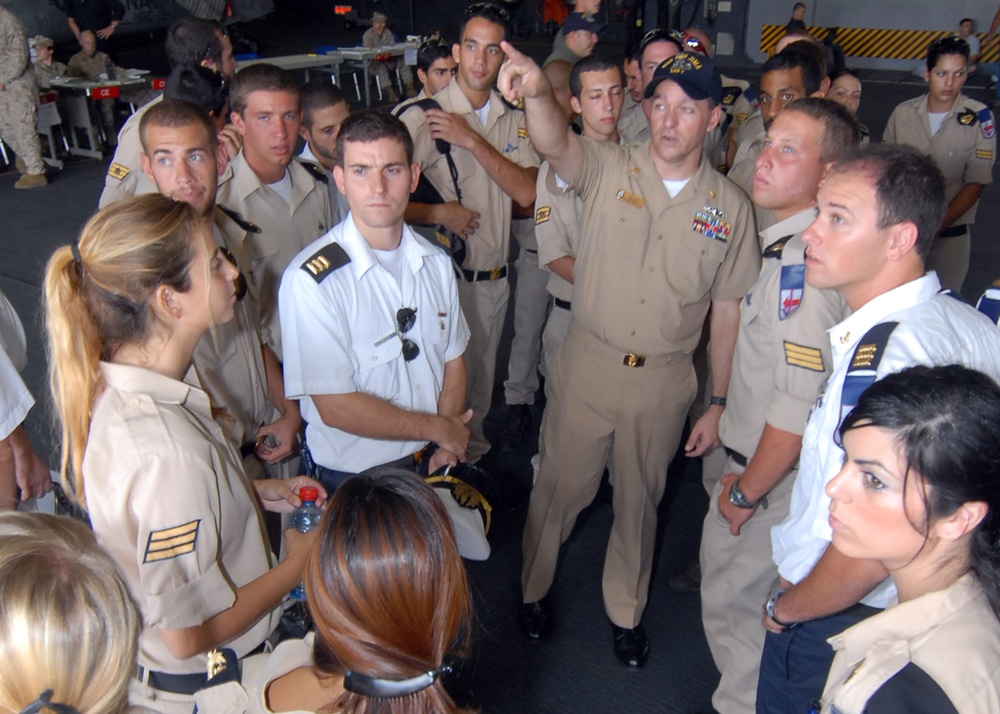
column 658, row 35
column 406, row 318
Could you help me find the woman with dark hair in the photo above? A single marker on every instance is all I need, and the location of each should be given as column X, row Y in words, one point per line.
column 391, row 604
column 920, row 492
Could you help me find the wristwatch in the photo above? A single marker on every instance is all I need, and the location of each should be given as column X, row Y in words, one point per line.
column 718, row 401
column 772, row 601
column 738, row 498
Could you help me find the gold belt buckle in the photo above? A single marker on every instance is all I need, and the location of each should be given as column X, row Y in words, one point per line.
column 633, row 360
column 495, row 273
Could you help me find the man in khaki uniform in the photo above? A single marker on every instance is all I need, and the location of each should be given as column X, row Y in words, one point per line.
column 963, row 145
column 189, row 42
column 265, row 186
column 782, row 357
column 665, row 236
column 183, row 159
column 324, row 109
column 19, row 100
column 496, row 166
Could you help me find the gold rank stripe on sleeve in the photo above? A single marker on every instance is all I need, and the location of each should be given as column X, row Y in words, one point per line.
column 984, row 154
column 542, row 214
column 522, row 133
column 172, row 542
column 810, row 358
column 117, row 171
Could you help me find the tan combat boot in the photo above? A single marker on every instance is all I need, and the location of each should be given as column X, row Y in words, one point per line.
column 31, row 181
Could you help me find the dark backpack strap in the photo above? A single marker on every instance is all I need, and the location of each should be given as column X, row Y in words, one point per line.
column 443, row 147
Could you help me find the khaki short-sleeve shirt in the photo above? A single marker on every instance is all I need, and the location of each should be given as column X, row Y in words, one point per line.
column 558, row 224
column 285, row 229
column 505, row 130
column 169, row 501
column 649, row 265
column 125, row 176
column 964, row 147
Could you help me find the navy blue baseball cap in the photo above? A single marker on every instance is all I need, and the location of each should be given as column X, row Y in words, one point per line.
column 696, row 74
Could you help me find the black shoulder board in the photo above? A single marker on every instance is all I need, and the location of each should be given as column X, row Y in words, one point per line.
column 315, row 171
column 240, row 221
column 967, row 118
column 777, row 248
column 325, row 260
column 730, row 95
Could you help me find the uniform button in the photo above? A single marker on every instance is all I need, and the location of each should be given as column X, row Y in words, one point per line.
column 374, row 358
column 642, row 301
column 134, row 403
column 659, row 237
column 632, row 333
column 650, row 270
column 621, row 220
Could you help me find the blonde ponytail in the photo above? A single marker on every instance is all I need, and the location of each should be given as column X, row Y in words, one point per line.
column 98, row 296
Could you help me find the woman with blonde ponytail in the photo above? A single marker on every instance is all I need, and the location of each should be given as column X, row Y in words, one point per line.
column 125, row 306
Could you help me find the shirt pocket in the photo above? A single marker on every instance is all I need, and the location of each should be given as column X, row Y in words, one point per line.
column 378, row 361
column 692, row 263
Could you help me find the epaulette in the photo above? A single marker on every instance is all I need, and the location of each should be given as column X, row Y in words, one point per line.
column 325, row 260
column 315, row 170
column 989, row 303
column 240, row 221
column 730, row 95
column 516, row 107
column 775, row 249
column 967, row 118
column 863, row 370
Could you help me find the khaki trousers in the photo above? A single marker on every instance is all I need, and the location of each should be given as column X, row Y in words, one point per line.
column 484, row 304
column 598, row 405
column 531, row 304
column 737, row 574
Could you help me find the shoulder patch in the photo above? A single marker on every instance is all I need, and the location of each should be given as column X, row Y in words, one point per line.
column 117, row 171
column 172, row 542
column 777, row 248
column 730, row 95
column 984, row 154
column 792, row 289
column 986, row 122
column 315, row 171
column 324, row 261
column 810, row 358
column 966, row 118
column 542, row 214
column 240, row 221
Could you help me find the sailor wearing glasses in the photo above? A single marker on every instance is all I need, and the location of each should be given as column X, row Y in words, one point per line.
column 374, row 336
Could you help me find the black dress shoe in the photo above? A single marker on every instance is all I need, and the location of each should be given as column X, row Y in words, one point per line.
column 536, row 620
column 631, row 646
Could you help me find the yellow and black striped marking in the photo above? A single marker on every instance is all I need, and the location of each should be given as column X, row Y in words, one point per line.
column 876, row 42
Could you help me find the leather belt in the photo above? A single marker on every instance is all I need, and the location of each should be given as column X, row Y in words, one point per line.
column 181, row 683
column 564, row 304
column 475, row 276
column 736, row 456
column 414, row 460
column 953, row 231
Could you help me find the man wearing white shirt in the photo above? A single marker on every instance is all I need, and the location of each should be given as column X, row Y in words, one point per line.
column 370, row 319
column 876, row 217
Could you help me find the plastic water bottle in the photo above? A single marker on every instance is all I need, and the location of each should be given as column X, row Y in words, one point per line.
column 304, row 519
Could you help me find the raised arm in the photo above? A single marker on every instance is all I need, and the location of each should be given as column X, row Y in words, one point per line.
column 520, row 78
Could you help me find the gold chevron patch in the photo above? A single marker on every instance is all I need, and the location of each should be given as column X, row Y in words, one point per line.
column 172, row 542
column 542, row 214
column 809, row 358
column 117, row 171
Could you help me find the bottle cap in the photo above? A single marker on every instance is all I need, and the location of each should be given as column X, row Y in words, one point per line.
column 308, row 493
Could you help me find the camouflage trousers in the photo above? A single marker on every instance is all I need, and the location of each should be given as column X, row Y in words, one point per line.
column 18, row 116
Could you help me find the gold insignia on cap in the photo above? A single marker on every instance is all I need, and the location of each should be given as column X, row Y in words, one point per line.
column 542, row 214
column 172, row 542
column 117, row 171
column 810, row 358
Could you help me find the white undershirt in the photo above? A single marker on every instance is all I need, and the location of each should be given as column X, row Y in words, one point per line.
column 392, row 261
column 483, row 113
column 937, row 119
column 675, row 187
column 283, row 187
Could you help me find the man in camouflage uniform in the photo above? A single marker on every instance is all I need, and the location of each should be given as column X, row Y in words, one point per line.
column 46, row 68
column 378, row 35
column 19, row 100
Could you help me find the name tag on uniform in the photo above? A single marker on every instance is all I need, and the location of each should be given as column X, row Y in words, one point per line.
column 630, row 198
